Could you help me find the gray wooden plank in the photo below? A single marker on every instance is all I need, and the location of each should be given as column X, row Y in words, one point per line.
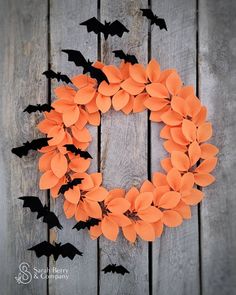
column 66, row 33
column 23, row 57
column 124, row 152
column 176, row 254
column 217, row 75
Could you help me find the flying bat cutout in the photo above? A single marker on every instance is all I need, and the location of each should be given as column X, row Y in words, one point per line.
column 160, row 22
column 114, row 28
column 126, row 57
column 38, row 107
column 47, row 249
column 83, row 154
column 35, row 205
column 80, row 61
column 86, row 224
column 35, row 144
column 50, row 74
column 70, row 184
column 115, row 269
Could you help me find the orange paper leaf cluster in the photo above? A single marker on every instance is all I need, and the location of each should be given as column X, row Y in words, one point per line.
column 165, row 200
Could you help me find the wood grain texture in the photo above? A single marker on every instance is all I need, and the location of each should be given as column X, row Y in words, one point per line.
column 65, row 17
column 23, row 57
column 176, row 254
column 124, row 152
column 217, row 76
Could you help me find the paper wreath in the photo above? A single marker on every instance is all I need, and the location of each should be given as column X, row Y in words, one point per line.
column 165, row 200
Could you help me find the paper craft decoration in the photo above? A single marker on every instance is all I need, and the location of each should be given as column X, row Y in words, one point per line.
column 79, row 60
column 126, row 57
column 160, row 22
column 113, row 268
column 35, row 144
column 112, row 29
column 76, row 151
column 70, row 185
column 50, row 74
column 166, row 199
column 139, row 212
column 35, row 205
column 38, row 107
column 47, row 249
column 86, row 224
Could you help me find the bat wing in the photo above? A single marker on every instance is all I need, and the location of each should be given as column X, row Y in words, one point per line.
column 93, row 222
column 38, row 143
column 31, row 109
column 51, row 219
column 77, row 57
column 50, row 74
column 33, row 203
column 148, row 13
column 20, row 151
column 85, row 155
column 109, row 268
column 71, row 148
column 119, row 53
column 64, row 188
column 46, row 107
column 117, row 28
column 68, row 250
column 160, row 22
column 86, row 224
column 44, row 248
column 132, row 59
column 97, row 74
column 76, row 181
column 65, row 78
column 121, row 269
column 81, row 225
column 93, row 25
column 126, row 57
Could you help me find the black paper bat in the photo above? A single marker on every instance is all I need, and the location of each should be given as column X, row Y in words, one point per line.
column 38, row 107
column 83, row 154
column 35, row 144
column 47, row 249
column 69, row 185
column 50, row 74
column 114, row 28
column 126, row 57
column 79, row 60
column 86, row 224
column 115, row 269
column 35, row 205
column 160, row 22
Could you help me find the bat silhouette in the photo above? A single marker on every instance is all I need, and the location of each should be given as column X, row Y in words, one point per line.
column 69, row 185
column 80, row 61
column 126, row 57
column 115, row 269
column 47, row 249
column 35, row 205
column 50, row 74
column 114, row 28
column 83, row 154
column 160, row 22
column 38, row 107
column 86, row 224
column 35, row 144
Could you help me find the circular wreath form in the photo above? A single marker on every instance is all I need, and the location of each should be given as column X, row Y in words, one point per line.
column 165, row 200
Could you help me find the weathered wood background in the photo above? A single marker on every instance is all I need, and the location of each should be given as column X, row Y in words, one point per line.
column 197, row 258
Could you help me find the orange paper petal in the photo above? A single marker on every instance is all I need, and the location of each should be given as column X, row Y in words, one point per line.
column 171, row 218
column 180, row 161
